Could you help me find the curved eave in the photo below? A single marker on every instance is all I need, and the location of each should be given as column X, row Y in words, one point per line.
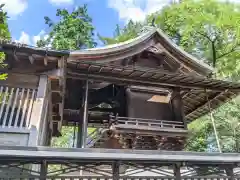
column 114, row 48
column 115, row 52
column 137, row 45
column 186, row 57
column 118, row 51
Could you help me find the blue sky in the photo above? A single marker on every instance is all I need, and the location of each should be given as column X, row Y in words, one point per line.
column 26, row 21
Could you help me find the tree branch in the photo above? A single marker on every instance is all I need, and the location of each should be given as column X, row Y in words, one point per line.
column 229, row 52
column 204, row 35
column 214, row 56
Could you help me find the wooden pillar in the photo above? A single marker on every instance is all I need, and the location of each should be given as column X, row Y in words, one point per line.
column 85, row 117
column 39, row 111
column 79, row 134
column 115, row 170
column 177, row 106
column 177, row 171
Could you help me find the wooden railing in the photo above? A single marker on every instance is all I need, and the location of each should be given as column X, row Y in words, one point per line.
column 28, row 177
column 146, row 122
column 16, row 106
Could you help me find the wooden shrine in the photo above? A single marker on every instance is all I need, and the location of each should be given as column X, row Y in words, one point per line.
column 138, row 96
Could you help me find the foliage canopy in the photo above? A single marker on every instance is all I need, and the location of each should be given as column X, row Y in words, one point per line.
column 73, row 31
column 4, row 35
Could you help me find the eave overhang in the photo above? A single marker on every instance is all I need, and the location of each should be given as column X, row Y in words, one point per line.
column 134, row 46
column 148, row 77
column 196, row 91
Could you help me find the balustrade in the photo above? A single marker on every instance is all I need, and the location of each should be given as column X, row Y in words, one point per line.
column 147, row 122
column 16, row 106
column 24, row 114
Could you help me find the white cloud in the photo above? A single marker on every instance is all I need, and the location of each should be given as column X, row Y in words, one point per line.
column 61, row 2
column 14, row 7
column 132, row 9
column 41, row 35
column 25, row 38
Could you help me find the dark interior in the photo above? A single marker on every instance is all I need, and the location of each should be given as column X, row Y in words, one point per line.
column 105, row 99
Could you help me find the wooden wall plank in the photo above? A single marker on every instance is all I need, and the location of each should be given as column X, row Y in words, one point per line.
column 21, row 80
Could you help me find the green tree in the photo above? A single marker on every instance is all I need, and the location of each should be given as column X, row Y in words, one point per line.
column 66, row 139
column 227, row 119
column 73, row 31
column 208, row 29
column 129, row 31
column 4, row 36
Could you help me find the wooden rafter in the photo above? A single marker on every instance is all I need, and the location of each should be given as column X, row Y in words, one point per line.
column 205, row 104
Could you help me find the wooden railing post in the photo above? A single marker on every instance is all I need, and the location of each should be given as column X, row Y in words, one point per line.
column 115, row 170
column 229, row 172
column 39, row 111
column 177, row 171
column 43, row 170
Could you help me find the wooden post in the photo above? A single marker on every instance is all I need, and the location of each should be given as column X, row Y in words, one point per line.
column 85, row 117
column 178, row 106
column 115, row 170
column 80, row 125
column 177, row 171
column 38, row 112
column 43, row 170
column 79, row 134
column 229, row 172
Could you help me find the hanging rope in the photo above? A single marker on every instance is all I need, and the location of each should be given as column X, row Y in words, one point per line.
column 213, row 123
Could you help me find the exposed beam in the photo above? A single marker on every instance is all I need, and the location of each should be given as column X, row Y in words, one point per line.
column 31, row 59
column 102, row 109
column 140, row 81
column 177, row 60
column 45, row 60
